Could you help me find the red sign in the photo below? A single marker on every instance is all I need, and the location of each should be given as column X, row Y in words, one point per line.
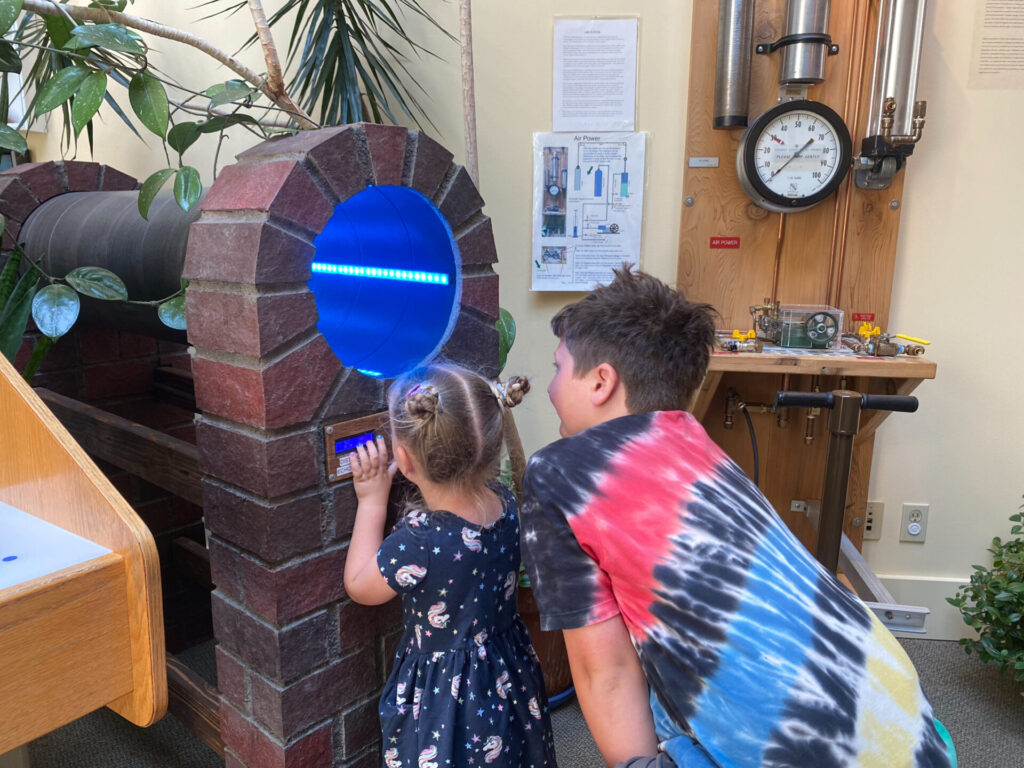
column 868, row 317
column 725, row 242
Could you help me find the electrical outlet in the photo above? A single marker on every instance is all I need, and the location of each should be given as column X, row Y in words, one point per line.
column 873, row 520
column 915, row 522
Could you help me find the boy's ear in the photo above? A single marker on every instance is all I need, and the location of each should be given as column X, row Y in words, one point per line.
column 605, row 383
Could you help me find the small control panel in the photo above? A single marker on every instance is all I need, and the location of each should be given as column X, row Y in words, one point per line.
column 344, row 437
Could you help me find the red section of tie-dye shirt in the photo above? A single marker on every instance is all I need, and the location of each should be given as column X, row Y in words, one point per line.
column 639, row 505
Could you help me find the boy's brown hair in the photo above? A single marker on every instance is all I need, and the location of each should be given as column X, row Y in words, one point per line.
column 657, row 341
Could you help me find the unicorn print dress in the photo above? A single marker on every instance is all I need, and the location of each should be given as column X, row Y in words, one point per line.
column 466, row 689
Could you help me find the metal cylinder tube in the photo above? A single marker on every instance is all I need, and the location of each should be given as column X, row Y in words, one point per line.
column 732, row 65
column 897, row 63
column 804, row 62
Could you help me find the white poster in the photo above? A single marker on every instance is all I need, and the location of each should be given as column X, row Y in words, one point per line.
column 588, row 192
column 997, row 52
column 594, row 84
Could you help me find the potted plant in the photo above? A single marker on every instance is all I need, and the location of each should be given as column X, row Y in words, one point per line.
column 993, row 604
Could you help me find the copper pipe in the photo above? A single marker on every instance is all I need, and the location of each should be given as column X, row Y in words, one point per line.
column 778, row 258
column 782, row 417
column 837, row 257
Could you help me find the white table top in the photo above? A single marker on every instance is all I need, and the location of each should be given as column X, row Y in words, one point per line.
column 30, row 547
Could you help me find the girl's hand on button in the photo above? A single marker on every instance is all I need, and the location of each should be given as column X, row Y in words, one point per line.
column 371, row 472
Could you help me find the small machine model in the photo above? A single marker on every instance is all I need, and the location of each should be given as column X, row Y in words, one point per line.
column 869, row 340
column 798, row 326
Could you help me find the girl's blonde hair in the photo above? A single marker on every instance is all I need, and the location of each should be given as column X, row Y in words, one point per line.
column 452, row 421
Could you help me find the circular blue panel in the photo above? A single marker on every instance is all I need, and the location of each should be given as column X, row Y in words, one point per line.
column 385, row 280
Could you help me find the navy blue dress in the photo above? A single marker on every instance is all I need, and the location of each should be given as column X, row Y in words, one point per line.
column 466, row 689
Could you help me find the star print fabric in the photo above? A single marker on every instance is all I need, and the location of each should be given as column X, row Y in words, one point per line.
column 466, row 688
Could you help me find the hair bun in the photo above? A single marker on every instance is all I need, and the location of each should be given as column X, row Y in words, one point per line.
column 511, row 393
column 423, row 402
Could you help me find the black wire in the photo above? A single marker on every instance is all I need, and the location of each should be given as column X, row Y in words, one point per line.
column 753, row 442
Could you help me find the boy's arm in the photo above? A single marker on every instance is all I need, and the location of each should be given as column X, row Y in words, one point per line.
column 612, row 690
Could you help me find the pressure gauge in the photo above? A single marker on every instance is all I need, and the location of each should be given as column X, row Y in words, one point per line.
column 793, row 156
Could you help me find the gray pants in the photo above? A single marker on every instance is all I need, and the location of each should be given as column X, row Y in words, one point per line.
column 661, row 760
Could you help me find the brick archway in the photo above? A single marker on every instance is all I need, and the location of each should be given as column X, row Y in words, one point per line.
column 299, row 665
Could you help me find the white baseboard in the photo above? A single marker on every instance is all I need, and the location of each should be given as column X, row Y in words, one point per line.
column 944, row 622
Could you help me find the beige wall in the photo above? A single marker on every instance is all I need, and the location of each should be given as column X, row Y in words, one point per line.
column 958, row 274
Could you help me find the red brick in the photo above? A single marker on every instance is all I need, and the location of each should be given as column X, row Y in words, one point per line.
column 357, row 396
column 282, row 188
column 226, row 390
column 117, row 380
column 389, row 647
column 289, row 591
column 280, row 653
column 369, row 759
column 359, row 624
column 99, row 345
column 62, row 355
column 231, row 760
column 231, row 680
column 287, row 710
column 43, row 179
column 267, row 466
column 114, row 180
column 225, row 568
column 135, row 345
column 339, row 513
column 16, row 202
column 288, row 147
column 259, row 750
column 246, row 252
column 481, row 292
column 430, row 166
column 360, row 727
column 386, row 144
column 476, row 242
column 272, row 532
column 245, row 323
column 82, row 177
column 343, row 163
column 474, row 344
column 460, row 199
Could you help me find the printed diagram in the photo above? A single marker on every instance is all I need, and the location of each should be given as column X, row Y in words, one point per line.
column 590, row 212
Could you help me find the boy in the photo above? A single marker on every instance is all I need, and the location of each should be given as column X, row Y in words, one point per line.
column 640, row 533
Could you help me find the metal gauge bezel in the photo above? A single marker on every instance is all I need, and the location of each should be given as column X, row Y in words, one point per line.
column 746, row 161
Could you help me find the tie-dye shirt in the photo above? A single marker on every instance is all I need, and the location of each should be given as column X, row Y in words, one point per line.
column 749, row 645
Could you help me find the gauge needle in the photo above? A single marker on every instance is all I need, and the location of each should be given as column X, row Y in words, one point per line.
column 794, row 157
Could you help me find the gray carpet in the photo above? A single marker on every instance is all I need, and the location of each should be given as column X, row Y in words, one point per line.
column 983, row 710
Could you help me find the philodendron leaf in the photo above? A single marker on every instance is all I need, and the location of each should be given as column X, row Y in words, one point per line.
column 60, row 88
column 88, row 101
column 10, row 59
column 506, row 328
column 187, row 187
column 9, row 12
column 113, row 37
column 55, row 309
column 182, row 136
column 97, row 282
column 11, row 139
column 232, row 90
column 172, row 313
column 149, row 100
column 149, row 189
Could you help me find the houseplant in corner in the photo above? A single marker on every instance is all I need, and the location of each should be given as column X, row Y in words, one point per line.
column 993, row 604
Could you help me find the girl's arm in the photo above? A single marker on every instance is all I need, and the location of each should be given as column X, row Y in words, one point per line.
column 371, row 475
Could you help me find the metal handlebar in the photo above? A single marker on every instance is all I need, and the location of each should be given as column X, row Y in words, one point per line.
column 903, row 403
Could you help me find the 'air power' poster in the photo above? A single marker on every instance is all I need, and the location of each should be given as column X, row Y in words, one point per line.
column 587, row 207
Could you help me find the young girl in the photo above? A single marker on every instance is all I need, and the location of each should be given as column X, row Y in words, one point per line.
column 465, row 689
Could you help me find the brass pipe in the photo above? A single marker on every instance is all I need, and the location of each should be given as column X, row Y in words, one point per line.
column 782, row 417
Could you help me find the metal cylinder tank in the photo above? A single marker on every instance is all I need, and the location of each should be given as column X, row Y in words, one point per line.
column 897, row 63
column 804, row 62
column 732, row 65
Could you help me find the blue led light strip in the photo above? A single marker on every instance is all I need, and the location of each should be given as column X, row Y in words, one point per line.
column 381, row 273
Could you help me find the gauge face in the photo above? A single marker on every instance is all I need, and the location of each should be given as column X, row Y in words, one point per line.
column 794, row 156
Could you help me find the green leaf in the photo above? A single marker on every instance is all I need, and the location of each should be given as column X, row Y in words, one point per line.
column 149, row 100
column 182, row 136
column 12, row 140
column 60, row 88
column 219, row 123
column 55, row 309
column 97, row 282
column 149, row 189
column 9, row 12
column 59, row 29
column 10, row 59
column 232, row 90
column 172, row 313
column 14, row 317
column 88, row 101
column 187, row 187
column 112, row 37
column 506, row 327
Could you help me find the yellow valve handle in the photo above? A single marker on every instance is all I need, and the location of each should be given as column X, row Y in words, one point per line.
column 911, row 338
column 743, row 336
column 867, row 330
